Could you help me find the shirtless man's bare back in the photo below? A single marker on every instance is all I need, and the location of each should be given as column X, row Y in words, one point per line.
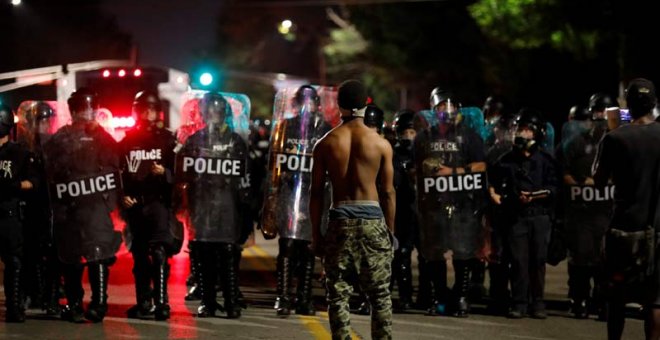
column 359, row 164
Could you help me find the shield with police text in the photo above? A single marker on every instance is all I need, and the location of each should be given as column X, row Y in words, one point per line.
column 301, row 116
column 451, row 194
column 82, row 166
column 587, row 209
column 211, row 169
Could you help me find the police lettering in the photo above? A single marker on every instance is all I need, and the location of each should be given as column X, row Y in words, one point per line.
column 212, row 166
column 444, row 146
column 294, row 162
column 465, row 182
column 591, row 194
column 87, row 186
column 5, row 166
column 146, row 155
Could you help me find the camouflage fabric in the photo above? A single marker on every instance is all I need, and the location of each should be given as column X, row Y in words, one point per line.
column 362, row 246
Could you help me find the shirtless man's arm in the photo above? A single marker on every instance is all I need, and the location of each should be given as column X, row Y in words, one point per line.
column 316, row 198
column 387, row 194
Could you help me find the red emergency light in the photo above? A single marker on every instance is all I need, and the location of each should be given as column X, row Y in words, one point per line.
column 123, row 122
column 137, row 72
column 121, row 73
column 106, row 73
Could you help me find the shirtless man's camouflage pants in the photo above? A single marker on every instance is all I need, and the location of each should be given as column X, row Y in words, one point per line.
column 362, row 246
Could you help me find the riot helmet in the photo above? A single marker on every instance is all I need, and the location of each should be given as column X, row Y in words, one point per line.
column 443, row 105
column 598, row 102
column 504, row 129
column 530, row 129
column 403, row 120
column 214, row 108
column 374, row 117
column 36, row 114
column 306, row 99
column 580, row 113
column 148, row 109
column 6, row 120
column 83, row 104
column 493, row 106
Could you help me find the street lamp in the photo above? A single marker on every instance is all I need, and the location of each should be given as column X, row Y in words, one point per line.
column 285, row 27
column 16, row 2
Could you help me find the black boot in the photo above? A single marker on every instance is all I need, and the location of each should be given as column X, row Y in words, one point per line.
column 195, row 289
column 304, row 303
column 240, row 299
column 160, row 274
column 207, row 279
column 437, row 272
column 14, row 300
column 229, row 278
column 98, row 280
column 477, row 289
column 73, row 289
column 143, row 309
column 403, row 277
column 578, row 290
column 283, row 302
column 424, row 293
column 53, row 281
column 461, row 288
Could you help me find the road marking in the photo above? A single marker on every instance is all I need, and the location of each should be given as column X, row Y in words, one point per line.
column 314, row 326
column 530, row 337
column 354, row 335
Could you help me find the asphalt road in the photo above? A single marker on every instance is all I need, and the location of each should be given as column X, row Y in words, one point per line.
column 259, row 320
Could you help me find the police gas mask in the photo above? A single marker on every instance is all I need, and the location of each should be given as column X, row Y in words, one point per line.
column 6, row 120
column 214, row 109
column 524, row 139
column 446, row 112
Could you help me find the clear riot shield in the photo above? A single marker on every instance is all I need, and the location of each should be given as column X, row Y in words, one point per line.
column 449, row 204
column 301, row 116
column 211, row 169
column 84, row 184
column 470, row 117
column 37, row 122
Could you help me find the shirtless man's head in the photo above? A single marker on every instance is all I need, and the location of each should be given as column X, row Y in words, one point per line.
column 352, row 99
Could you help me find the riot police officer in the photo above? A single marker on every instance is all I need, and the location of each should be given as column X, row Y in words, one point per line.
column 450, row 166
column 211, row 169
column 406, row 227
column 524, row 186
column 587, row 210
column 83, row 165
column 17, row 175
column 37, row 122
column 286, row 204
column 148, row 167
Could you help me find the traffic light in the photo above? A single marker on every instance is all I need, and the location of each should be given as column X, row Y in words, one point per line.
column 206, row 77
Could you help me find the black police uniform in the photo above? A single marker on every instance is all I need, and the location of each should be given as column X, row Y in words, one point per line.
column 150, row 221
column 16, row 165
column 587, row 212
column 527, row 226
column 406, row 224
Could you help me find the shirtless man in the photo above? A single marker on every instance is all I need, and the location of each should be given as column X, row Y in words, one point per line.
column 359, row 237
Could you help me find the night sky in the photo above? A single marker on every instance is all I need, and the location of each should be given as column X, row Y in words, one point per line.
column 168, row 33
